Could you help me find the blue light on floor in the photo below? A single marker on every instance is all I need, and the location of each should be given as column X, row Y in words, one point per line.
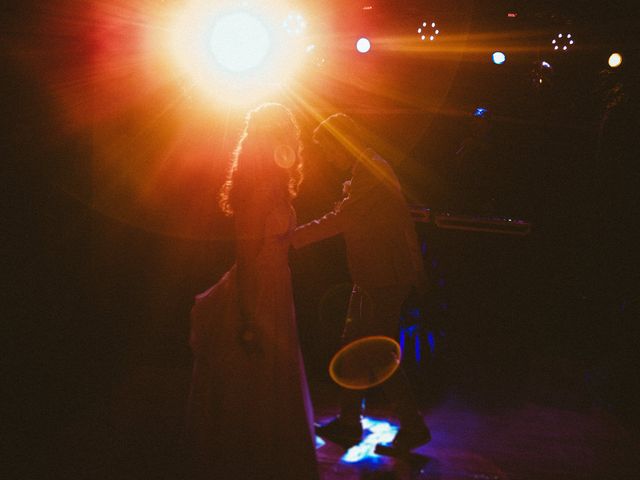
column 319, row 442
column 376, row 431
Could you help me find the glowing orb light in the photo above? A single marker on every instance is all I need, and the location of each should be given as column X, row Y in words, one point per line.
column 498, row 58
column 236, row 55
column 615, row 60
column 363, row 45
column 239, row 41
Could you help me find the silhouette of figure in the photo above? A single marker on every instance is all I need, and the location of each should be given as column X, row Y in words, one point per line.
column 249, row 411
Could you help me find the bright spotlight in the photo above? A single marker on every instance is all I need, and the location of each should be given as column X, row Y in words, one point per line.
column 239, row 41
column 498, row 58
column 235, row 56
column 615, row 60
column 363, row 45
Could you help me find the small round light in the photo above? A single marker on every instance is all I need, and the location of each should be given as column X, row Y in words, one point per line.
column 562, row 41
column 615, row 60
column 433, row 24
column 420, row 30
column 363, row 45
column 423, row 37
column 498, row 58
column 424, row 24
column 545, row 64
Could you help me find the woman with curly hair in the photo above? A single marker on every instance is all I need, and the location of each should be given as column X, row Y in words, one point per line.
column 249, row 410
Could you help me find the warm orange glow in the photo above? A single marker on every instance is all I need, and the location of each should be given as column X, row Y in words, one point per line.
column 163, row 118
column 236, row 55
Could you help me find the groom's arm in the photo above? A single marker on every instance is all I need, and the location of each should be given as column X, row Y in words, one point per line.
column 353, row 209
column 317, row 230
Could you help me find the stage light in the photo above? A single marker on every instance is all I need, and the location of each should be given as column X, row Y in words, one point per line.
column 363, row 45
column 615, row 60
column 428, row 30
column 562, row 42
column 481, row 112
column 294, row 24
column 236, row 55
column 239, row 42
column 498, row 58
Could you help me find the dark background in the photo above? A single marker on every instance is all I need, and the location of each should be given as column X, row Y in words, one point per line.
column 92, row 299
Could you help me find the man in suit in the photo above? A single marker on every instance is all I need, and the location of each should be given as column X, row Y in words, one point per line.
column 384, row 263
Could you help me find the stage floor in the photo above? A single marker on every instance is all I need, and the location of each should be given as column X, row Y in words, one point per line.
column 135, row 434
column 471, row 440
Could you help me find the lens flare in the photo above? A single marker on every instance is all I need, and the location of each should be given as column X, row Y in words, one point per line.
column 284, row 156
